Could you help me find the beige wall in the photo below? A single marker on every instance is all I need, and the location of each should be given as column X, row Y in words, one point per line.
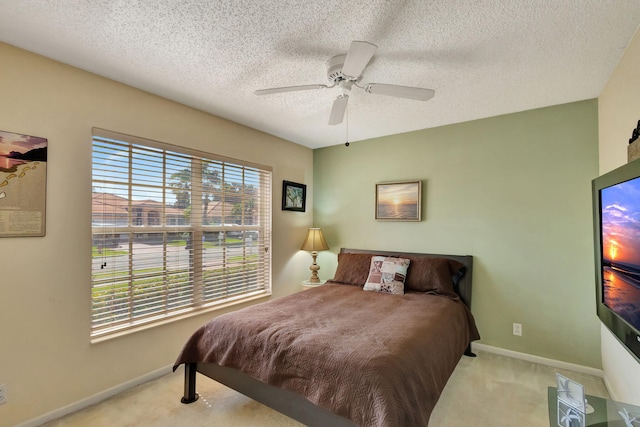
column 46, row 358
column 618, row 115
column 513, row 191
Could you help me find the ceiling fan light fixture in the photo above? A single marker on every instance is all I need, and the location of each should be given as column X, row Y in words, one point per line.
column 345, row 71
column 334, row 68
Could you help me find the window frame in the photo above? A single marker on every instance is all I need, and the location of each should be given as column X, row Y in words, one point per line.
column 249, row 185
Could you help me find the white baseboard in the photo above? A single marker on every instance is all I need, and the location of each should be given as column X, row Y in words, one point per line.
column 610, row 389
column 96, row 398
column 540, row 360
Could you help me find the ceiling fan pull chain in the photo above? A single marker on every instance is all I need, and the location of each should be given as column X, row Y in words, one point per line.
column 346, row 144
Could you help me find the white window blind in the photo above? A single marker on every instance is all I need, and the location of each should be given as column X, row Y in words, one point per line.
column 174, row 232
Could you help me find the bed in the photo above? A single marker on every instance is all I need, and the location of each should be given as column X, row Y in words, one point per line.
column 337, row 355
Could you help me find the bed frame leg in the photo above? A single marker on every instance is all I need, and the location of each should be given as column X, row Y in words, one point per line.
column 468, row 351
column 190, row 394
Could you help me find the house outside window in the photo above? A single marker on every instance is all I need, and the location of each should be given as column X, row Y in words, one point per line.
column 175, row 232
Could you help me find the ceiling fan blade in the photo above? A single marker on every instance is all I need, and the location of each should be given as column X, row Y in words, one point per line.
column 338, row 109
column 400, row 91
column 359, row 55
column 288, row 89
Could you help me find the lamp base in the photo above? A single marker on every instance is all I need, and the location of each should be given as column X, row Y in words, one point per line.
column 314, row 269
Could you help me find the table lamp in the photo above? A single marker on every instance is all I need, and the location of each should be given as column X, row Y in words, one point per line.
column 314, row 242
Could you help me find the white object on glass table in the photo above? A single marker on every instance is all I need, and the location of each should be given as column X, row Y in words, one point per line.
column 571, row 393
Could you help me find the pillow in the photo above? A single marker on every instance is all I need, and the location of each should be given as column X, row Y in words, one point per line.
column 387, row 275
column 435, row 275
column 353, row 269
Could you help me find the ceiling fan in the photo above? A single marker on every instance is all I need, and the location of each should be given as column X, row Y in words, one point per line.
column 345, row 71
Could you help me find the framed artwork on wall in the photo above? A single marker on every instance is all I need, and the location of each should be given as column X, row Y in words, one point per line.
column 398, row 201
column 23, row 185
column 294, row 196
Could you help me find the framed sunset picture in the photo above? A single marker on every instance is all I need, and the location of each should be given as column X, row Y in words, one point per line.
column 398, row 201
column 23, row 183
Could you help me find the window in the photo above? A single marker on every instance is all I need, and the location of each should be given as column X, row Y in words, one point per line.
column 174, row 232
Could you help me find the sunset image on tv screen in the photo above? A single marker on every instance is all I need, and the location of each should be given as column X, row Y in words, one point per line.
column 620, row 206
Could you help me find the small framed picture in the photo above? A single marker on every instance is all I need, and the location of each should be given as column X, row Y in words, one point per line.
column 294, row 196
column 398, row 201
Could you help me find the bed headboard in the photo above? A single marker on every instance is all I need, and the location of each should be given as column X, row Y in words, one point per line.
column 464, row 285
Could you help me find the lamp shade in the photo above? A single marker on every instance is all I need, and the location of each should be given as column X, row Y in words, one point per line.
column 314, row 241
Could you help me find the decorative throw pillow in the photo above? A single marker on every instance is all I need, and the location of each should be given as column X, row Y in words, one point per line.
column 435, row 275
column 353, row 269
column 387, row 275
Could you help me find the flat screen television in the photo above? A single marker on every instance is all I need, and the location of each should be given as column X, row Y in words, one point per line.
column 616, row 212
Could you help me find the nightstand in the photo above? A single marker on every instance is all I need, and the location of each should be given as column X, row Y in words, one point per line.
column 307, row 284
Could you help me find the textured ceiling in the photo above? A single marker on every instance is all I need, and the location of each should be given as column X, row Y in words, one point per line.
column 482, row 57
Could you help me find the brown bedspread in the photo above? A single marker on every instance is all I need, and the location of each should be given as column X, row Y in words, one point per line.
column 377, row 359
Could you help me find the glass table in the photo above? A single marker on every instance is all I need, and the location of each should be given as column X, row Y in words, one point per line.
column 606, row 413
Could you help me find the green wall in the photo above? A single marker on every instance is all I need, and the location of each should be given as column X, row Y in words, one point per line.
column 513, row 191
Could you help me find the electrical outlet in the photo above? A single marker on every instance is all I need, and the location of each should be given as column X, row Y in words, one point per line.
column 3, row 393
column 517, row 329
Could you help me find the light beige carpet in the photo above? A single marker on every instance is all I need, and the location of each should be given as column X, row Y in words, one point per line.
column 489, row 390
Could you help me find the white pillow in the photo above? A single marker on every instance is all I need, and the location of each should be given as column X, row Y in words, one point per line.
column 387, row 275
